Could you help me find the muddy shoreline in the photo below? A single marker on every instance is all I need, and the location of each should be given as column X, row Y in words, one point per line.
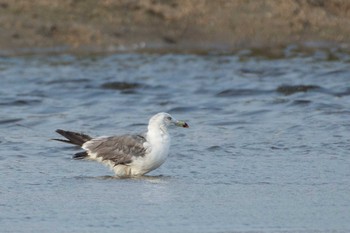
column 42, row 26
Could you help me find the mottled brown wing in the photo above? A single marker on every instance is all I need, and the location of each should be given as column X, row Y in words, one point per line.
column 117, row 149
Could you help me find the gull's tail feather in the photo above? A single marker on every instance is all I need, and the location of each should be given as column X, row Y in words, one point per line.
column 80, row 155
column 73, row 138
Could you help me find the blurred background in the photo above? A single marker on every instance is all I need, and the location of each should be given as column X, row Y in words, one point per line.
column 178, row 25
column 263, row 84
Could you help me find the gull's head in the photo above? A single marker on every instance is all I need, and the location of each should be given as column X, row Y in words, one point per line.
column 163, row 120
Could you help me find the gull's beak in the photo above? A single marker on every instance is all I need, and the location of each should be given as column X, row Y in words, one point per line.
column 181, row 124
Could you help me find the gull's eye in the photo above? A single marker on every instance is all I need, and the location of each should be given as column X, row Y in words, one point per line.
column 169, row 118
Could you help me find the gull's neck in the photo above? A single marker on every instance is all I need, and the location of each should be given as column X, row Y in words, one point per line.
column 157, row 132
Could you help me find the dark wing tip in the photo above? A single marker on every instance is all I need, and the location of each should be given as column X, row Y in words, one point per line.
column 61, row 140
column 73, row 137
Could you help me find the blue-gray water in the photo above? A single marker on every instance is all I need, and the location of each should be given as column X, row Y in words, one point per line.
column 267, row 149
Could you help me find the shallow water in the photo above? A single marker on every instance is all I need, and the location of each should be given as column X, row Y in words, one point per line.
column 267, row 149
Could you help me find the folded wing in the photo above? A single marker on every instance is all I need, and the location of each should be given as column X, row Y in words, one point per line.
column 116, row 149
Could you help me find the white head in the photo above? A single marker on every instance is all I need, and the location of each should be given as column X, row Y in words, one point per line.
column 163, row 120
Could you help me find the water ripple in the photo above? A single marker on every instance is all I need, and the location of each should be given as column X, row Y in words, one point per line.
column 9, row 121
column 292, row 89
column 268, row 143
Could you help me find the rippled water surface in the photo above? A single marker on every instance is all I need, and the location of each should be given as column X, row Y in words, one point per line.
column 267, row 149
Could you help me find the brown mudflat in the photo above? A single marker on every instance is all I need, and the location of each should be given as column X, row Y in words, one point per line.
column 169, row 25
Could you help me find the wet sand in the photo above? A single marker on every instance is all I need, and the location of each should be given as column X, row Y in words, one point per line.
column 169, row 25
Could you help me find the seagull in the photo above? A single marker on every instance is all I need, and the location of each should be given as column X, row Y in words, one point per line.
column 131, row 154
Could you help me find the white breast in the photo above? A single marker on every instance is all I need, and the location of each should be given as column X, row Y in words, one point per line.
column 158, row 150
